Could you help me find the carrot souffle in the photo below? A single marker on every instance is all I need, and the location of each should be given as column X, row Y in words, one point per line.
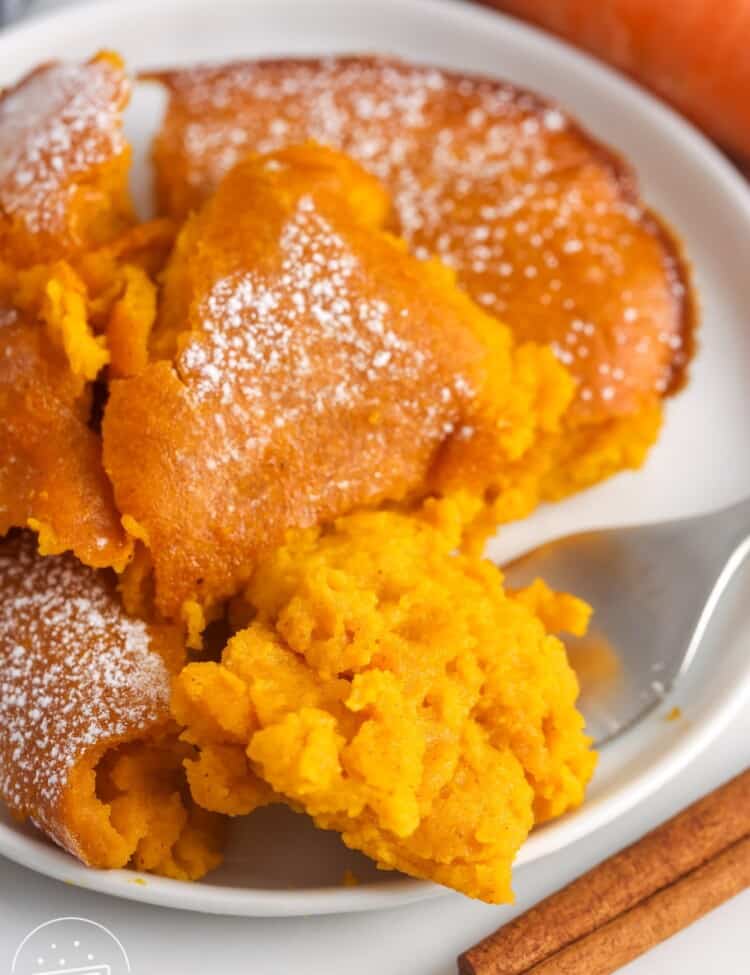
column 252, row 449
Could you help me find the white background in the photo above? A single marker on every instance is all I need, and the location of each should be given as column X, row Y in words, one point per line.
column 420, row 940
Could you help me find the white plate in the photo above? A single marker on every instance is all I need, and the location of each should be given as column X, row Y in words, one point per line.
column 277, row 864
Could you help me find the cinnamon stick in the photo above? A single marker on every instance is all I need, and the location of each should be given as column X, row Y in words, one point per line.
column 682, row 869
column 655, row 919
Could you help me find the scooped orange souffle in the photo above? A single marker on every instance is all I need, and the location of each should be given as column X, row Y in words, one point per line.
column 394, row 692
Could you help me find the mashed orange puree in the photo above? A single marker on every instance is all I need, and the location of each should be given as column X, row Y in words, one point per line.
column 146, row 818
column 394, row 691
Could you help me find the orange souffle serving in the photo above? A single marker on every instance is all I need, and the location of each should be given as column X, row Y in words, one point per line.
column 394, row 692
column 250, row 452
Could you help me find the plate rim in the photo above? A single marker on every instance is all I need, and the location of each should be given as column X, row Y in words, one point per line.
column 37, row 854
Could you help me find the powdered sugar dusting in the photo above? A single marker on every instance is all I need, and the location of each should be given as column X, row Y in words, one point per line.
column 8, row 316
column 54, row 127
column 501, row 185
column 274, row 348
column 75, row 673
column 320, row 369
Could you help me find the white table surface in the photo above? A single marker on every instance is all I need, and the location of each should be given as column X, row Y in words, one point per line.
column 422, row 939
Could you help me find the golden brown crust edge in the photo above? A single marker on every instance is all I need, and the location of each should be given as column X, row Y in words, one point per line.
column 665, row 259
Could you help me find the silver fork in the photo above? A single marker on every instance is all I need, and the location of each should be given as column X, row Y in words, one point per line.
column 654, row 589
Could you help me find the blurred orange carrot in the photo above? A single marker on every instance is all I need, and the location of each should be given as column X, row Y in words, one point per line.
column 694, row 53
